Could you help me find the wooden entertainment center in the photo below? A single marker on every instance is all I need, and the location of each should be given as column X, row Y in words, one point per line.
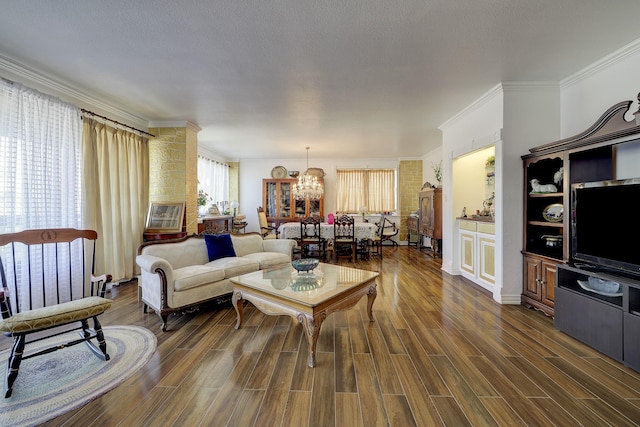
column 611, row 324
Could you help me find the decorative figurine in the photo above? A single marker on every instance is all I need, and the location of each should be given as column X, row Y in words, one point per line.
column 536, row 187
column 557, row 177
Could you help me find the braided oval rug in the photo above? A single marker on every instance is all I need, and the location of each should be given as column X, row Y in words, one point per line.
column 53, row 384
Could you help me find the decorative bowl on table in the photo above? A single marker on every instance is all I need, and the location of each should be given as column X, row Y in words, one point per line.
column 305, row 265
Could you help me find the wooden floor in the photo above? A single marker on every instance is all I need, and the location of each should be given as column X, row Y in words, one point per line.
column 440, row 352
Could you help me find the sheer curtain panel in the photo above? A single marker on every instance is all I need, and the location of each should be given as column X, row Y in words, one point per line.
column 116, row 176
column 213, row 178
column 40, row 172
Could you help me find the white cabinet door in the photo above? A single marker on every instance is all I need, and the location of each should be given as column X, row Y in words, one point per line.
column 468, row 252
column 487, row 264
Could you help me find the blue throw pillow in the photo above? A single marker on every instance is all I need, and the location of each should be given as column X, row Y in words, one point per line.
column 219, row 246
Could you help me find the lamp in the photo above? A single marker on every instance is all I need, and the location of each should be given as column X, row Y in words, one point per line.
column 363, row 211
column 235, row 204
column 307, row 186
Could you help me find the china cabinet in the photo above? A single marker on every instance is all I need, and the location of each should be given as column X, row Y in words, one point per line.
column 281, row 206
column 430, row 217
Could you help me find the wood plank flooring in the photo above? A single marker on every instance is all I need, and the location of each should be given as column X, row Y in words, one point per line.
column 440, row 352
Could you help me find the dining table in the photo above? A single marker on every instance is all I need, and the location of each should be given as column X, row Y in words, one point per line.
column 363, row 230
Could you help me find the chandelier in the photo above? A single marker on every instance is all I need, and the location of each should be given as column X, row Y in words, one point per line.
column 307, row 186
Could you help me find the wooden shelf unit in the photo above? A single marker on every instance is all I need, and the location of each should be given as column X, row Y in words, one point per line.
column 588, row 156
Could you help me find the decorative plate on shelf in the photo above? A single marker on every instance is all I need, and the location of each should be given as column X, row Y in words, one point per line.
column 317, row 172
column 553, row 213
column 279, row 172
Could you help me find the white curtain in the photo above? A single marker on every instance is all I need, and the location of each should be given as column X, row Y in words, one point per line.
column 213, row 178
column 116, row 176
column 40, row 173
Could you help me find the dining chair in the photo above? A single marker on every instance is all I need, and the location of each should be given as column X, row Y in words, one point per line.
column 344, row 238
column 267, row 230
column 312, row 244
column 387, row 229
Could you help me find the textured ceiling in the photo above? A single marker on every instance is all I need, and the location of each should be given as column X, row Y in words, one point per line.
column 352, row 78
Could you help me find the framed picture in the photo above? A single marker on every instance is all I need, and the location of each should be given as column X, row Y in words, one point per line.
column 165, row 217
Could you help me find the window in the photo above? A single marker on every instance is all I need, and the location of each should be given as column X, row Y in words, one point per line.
column 373, row 189
column 213, row 179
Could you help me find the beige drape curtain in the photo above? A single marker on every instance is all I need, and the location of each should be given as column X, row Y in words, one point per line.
column 116, row 177
column 373, row 189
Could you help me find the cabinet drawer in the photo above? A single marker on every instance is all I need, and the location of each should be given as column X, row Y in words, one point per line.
column 591, row 321
column 631, row 343
column 469, row 225
column 486, row 228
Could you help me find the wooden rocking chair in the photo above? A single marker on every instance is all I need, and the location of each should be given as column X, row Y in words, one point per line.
column 49, row 283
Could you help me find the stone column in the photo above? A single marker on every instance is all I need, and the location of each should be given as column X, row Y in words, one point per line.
column 173, row 167
column 410, row 177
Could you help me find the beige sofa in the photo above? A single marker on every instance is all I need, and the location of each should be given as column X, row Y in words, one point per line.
column 177, row 275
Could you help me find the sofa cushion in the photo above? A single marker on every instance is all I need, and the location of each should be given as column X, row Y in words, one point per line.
column 235, row 266
column 195, row 275
column 219, row 246
column 269, row 259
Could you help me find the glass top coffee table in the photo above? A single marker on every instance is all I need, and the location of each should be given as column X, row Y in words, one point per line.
column 307, row 297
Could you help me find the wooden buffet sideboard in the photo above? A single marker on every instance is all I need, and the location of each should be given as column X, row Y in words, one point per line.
column 216, row 224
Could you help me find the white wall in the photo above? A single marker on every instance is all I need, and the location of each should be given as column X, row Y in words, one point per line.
column 590, row 92
column 512, row 117
column 428, row 160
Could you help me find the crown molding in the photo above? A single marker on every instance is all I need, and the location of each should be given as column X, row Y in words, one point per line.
column 619, row 55
column 482, row 100
column 65, row 91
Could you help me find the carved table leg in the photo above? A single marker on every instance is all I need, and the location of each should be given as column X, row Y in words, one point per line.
column 311, row 326
column 238, row 303
column 371, row 297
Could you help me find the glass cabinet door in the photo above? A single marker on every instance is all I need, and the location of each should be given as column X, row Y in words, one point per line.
column 301, row 209
column 271, row 200
column 314, row 207
column 285, row 200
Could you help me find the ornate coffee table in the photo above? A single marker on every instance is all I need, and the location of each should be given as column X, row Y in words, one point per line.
column 309, row 298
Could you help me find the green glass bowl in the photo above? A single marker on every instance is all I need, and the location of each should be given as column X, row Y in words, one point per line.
column 305, row 264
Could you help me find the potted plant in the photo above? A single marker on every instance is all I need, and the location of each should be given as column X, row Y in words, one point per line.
column 437, row 170
column 203, row 199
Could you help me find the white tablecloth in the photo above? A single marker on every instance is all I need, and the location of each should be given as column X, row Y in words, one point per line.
column 291, row 230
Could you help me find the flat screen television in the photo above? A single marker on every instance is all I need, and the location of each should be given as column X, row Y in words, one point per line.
column 605, row 230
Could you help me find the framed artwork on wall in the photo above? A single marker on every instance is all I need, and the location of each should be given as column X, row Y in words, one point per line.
column 164, row 217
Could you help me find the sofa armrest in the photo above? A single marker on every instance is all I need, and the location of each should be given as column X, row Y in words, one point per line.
column 284, row 246
column 151, row 264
